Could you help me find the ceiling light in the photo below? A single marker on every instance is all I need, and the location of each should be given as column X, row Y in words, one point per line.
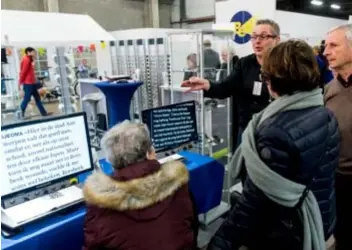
column 335, row 6
column 316, row 2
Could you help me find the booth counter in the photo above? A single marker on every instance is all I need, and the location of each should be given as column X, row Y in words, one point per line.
column 118, row 99
column 65, row 230
column 58, row 232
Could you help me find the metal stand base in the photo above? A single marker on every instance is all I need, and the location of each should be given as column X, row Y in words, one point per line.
column 215, row 213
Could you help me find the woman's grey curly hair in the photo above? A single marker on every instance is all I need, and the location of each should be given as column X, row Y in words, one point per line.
column 127, row 143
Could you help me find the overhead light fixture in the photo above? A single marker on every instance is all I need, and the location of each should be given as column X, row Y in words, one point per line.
column 316, row 2
column 335, row 6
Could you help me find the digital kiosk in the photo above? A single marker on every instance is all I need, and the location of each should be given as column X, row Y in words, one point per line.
column 173, row 129
column 39, row 161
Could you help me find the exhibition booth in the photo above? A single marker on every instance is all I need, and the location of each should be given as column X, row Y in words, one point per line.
column 42, row 203
column 80, row 36
column 158, row 57
column 45, row 161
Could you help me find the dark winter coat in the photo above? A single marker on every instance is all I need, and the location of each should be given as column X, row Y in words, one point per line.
column 141, row 207
column 302, row 146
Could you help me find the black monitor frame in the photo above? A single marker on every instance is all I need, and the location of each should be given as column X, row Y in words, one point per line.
column 193, row 103
column 44, row 120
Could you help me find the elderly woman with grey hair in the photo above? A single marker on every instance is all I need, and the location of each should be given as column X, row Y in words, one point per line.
column 142, row 205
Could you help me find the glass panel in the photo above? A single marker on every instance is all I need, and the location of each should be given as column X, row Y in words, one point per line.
column 42, row 56
column 43, row 65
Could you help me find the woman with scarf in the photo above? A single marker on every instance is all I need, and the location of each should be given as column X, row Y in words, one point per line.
column 287, row 161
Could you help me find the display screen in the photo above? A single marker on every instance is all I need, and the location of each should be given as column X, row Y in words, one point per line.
column 172, row 126
column 38, row 152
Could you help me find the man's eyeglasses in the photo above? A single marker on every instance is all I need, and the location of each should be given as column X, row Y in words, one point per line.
column 262, row 37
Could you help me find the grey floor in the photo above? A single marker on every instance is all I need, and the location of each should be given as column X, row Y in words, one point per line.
column 220, row 127
column 205, row 234
column 220, row 124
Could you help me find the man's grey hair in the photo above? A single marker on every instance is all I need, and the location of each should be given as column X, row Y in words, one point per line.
column 347, row 27
column 127, row 143
column 274, row 25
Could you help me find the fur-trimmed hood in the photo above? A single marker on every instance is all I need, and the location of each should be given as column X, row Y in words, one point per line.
column 105, row 192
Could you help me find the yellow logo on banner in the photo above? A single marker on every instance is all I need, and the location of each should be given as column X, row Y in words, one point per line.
column 244, row 29
column 243, row 24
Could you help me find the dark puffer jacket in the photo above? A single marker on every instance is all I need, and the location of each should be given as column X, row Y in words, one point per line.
column 299, row 145
column 141, row 207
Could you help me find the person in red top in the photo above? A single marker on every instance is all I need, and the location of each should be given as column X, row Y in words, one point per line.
column 29, row 82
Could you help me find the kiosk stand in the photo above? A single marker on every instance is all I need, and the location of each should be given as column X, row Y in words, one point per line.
column 39, row 175
column 173, row 129
column 180, row 45
column 118, row 99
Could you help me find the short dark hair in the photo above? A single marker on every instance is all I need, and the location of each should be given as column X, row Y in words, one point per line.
column 29, row 49
column 291, row 66
column 274, row 26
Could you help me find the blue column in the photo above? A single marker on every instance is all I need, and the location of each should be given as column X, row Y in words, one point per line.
column 118, row 99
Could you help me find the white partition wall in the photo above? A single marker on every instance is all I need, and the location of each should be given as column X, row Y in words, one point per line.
column 56, row 33
column 103, row 58
column 46, row 30
column 313, row 33
column 240, row 16
column 50, row 29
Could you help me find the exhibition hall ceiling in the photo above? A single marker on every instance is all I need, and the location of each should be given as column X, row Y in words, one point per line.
column 328, row 8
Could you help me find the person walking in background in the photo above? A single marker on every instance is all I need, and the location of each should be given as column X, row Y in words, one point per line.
column 316, row 50
column 192, row 68
column 244, row 83
column 211, row 57
column 228, row 55
column 83, row 69
column 29, row 82
column 228, row 58
column 338, row 98
column 211, row 61
column 289, row 153
column 326, row 74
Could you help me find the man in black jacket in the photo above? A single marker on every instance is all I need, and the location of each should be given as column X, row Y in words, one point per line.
column 244, row 83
